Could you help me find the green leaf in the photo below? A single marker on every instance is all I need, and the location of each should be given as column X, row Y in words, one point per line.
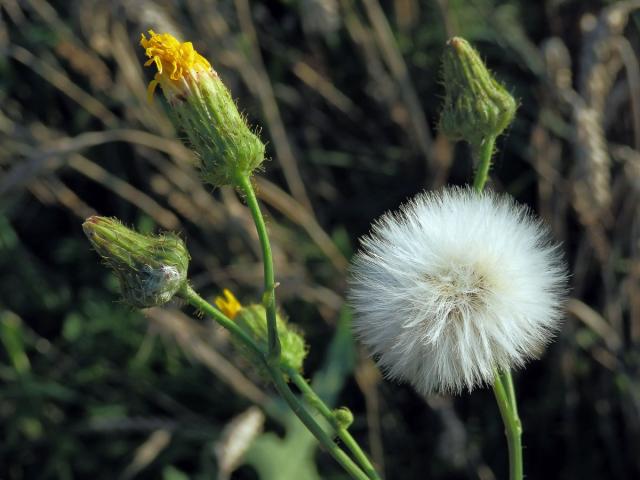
column 172, row 473
column 12, row 338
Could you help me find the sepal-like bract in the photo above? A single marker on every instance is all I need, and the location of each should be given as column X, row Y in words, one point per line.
column 253, row 319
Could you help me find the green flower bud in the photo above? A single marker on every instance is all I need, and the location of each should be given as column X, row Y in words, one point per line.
column 343, row 417
column 151, row 269
column 253, row 320
column 202, row 108
column 476, row 106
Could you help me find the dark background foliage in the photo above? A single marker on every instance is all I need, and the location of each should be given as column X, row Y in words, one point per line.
column 347, row 95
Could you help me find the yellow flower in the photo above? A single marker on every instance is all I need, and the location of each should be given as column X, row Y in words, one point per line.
column 176, row 62
column 202, row 110
column 229, row 304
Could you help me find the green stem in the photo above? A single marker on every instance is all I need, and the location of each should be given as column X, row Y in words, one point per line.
column 298, row 408
column 272, row 359
column 507, row 381
column 513, row 428
column 192, row 297
column 269, row 296
column 343, row 433
column 483, row 153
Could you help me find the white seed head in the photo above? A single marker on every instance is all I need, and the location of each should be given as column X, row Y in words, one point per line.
column 454, row 286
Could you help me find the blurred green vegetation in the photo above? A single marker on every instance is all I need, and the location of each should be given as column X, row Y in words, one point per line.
column 347, row 95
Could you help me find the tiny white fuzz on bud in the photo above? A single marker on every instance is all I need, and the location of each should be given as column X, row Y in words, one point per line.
column 456, row 286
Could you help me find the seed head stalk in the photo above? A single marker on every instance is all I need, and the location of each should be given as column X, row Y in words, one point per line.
column 503, row 388
column 477, row 109
column 503, row 391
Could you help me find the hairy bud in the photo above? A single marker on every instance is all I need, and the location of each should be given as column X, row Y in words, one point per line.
column 475, row 106
column 151, row 269
column 253, row 320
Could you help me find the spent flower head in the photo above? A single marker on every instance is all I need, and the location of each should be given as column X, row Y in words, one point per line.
column 151, row 268
column 454, row 287
column 202, row 107
column 476, row 106
column 253, row 320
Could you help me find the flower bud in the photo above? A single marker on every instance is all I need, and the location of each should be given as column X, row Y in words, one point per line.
column 476, row 106
column 343, row 417
column 151, row 269
column 202, row 108
column 253, row 320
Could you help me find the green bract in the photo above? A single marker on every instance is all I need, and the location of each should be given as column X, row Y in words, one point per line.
column 151, row 269
column 216, row 130
column 476, row 106
column 254, row 321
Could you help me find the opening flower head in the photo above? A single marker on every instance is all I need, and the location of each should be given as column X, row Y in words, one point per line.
column 455, row 286
column 202, row 108
column 176, row 62
column 253, row 320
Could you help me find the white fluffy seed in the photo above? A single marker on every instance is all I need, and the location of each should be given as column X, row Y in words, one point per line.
column 454, row 286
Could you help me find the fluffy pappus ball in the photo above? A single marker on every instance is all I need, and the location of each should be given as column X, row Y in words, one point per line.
column 454, row 286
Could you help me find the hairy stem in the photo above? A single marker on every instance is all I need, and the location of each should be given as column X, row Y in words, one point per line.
column 483, row 154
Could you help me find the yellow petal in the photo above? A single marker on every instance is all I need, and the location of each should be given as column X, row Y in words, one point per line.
column 151, row 90
column 229, row 305
column 173, row 59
